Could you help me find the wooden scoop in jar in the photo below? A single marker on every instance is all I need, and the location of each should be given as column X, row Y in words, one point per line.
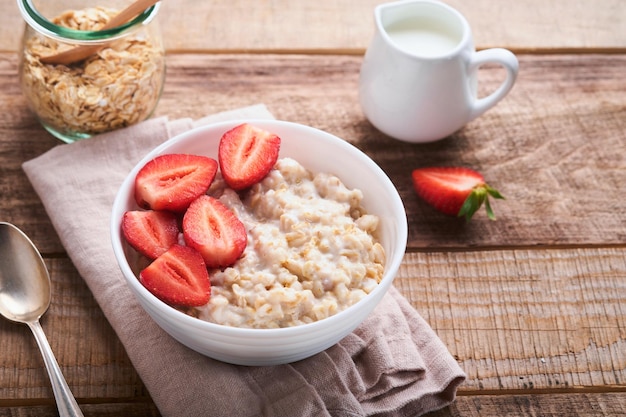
column 81, row 52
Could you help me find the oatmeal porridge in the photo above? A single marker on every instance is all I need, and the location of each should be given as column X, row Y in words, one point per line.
column 312, row 251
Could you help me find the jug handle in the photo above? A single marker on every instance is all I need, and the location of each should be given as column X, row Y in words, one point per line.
column 508, row 61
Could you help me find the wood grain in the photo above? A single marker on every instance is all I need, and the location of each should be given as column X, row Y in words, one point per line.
column 525, row 319
column 530, row 304
column 556, row 405
column 94, row 364
column 519, row 322
column 348, row 25
column 560, row 172
column 129, row 409
column 552, row 147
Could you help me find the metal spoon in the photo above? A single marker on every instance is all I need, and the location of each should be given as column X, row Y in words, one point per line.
column 24, row 297
column 81, row 52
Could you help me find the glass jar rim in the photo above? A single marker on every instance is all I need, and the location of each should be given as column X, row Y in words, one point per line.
column 44, row 26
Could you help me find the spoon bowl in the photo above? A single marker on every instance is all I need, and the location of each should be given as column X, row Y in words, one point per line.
column 25, row 296
column 24, row 284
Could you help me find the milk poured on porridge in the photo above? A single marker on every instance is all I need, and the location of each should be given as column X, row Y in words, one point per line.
column 312, row 251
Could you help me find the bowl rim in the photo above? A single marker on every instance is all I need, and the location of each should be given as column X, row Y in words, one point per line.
column 391, row 265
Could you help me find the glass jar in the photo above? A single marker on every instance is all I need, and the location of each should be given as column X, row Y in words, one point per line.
column 117, row 86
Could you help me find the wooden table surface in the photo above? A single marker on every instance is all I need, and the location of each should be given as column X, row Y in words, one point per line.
column 533, row 305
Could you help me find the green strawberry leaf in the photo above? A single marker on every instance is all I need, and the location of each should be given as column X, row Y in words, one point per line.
column 476, row 198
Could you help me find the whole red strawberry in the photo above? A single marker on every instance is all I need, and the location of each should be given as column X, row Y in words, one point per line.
column 455, row 191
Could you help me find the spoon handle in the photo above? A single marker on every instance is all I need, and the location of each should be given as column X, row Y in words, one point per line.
column 66, row 402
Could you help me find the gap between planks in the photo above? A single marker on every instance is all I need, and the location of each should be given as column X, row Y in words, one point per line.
column 361, row 51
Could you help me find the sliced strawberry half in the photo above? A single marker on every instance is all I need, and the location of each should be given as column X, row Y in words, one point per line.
column 150, row 232
column 215, row 231
column 171, row 182
column 455, row 191
column 178, row 277
column 246, row 154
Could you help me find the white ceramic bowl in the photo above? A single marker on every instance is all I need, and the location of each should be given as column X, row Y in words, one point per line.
column 318, row 151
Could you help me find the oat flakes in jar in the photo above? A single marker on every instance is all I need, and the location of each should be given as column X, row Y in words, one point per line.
column 117, row 86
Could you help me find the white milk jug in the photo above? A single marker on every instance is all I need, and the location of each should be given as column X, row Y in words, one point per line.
column 418, row 80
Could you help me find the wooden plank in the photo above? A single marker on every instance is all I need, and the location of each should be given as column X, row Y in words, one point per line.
column 21, row 138
column 554, row 146
column 87, row 349
column 554, row 405
column 241, row 25
column 561, row 186
column 563, row 305
column 525, row 320
column 517, row 320
column 130, row 409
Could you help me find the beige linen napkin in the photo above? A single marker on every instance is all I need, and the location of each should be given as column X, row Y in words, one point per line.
column 391, row 365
